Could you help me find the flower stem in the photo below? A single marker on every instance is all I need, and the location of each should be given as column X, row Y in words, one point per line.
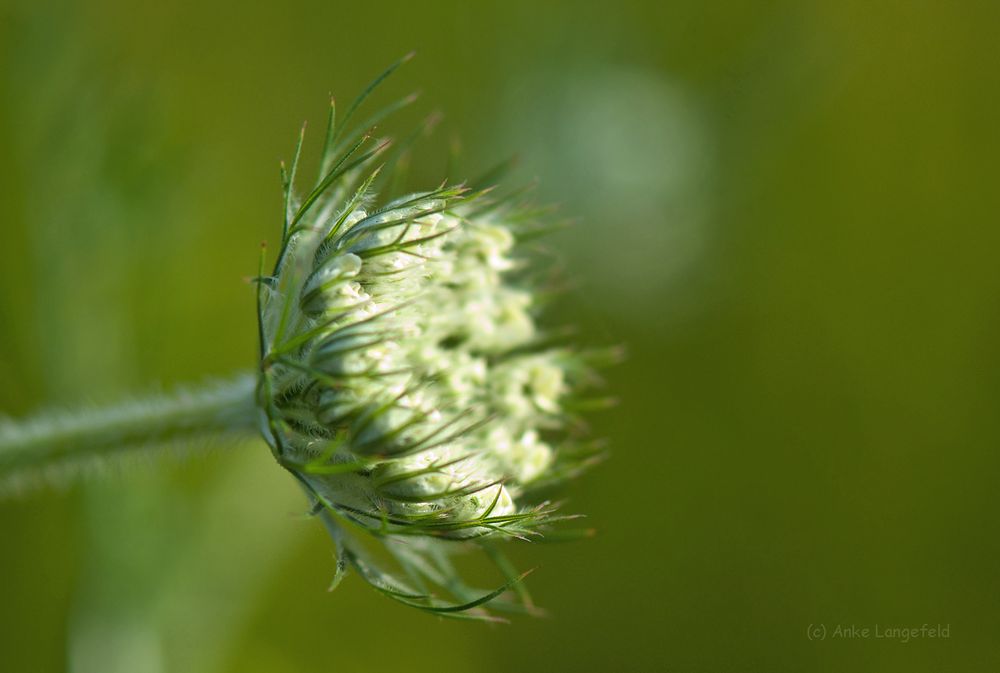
column 63, row 443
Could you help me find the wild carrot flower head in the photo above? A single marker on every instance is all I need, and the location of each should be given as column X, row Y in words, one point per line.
column 405, row 381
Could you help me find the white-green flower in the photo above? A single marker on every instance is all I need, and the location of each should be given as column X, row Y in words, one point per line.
column 405, row 381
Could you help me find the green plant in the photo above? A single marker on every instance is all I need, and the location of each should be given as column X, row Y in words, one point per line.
column 403, row 380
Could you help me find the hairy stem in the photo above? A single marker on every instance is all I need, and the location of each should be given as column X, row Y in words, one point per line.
column 63, row 443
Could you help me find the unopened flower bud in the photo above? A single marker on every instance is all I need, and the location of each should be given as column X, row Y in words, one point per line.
column 404, row 380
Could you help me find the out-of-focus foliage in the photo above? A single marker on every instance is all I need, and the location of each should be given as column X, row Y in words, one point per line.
column 785, row 210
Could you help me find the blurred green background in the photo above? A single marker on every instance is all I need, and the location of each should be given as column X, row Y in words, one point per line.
column 787, row 211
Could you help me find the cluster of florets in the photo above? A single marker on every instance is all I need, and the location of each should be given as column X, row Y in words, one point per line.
column 404, row 379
